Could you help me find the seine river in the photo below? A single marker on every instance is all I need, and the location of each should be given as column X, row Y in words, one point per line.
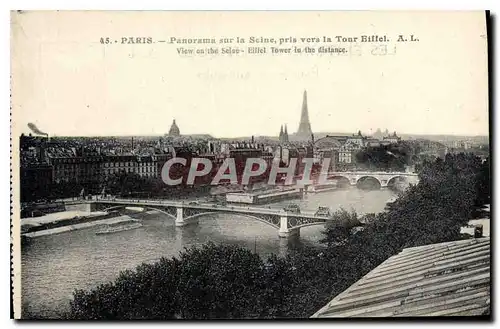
column 54, row 266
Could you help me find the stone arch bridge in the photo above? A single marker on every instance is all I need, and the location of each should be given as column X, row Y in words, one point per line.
column 184, row 213
column 385, row 179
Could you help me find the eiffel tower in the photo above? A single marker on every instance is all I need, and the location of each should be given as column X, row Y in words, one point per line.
column 304, row 133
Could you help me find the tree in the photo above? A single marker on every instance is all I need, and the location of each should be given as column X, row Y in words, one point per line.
column 483, row 185
column 218, row 281
column 146, row 293
column 435, row 209
column 384, row 157
column 339, row 226
column 211, row 281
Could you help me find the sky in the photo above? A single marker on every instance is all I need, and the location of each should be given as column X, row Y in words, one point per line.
column 68, row 83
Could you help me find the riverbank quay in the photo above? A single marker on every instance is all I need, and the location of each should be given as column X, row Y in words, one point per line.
column 322, row 188
column 68, row 221
column 264, row 197
column 67, row 228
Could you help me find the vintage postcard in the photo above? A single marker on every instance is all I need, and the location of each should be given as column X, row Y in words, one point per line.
column 250, row 165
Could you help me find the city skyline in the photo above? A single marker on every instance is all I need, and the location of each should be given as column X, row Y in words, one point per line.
column 68, row 83
column 275, row 136
column 190, row 129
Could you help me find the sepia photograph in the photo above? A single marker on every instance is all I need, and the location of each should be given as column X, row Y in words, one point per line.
column 175, row 165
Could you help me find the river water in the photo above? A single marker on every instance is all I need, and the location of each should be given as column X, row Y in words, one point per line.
column 54, row 266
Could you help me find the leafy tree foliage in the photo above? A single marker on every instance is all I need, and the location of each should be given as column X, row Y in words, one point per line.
column 213, row 281
column 339, row 228
column 392, row 157
column 147, row 293
column 217, row 282
column 483, row 185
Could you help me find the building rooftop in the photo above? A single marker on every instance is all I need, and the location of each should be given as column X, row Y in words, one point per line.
column 445, row 279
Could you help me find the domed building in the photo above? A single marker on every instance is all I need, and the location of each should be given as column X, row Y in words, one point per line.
column 328, row 147
column 329, row 142
column 174, row 130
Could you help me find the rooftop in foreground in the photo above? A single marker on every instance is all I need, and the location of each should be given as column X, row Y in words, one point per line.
column 445, row 279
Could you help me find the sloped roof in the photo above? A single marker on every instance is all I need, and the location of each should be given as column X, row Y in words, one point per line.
column 445, row 279
column 329, row 142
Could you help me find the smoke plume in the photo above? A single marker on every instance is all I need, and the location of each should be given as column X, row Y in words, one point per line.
column 35, row 129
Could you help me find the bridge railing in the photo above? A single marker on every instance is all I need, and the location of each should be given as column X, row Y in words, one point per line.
column 243, row 209
column 401, row 173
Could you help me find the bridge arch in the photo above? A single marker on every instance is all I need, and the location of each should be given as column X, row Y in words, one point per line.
column 365, row 181
column 193, row 217
column 392, row 180
column 145, row 207
column 340, row 179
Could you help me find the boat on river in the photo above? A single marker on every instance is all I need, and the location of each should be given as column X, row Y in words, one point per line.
column 119, row 227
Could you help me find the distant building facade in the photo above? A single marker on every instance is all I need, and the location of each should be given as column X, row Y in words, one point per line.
column 392, row 139
column 43, row 165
